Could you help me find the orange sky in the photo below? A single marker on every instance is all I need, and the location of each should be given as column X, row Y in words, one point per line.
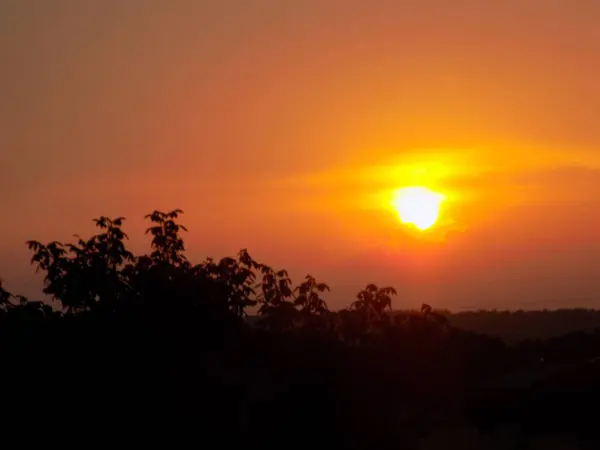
column 282, row 126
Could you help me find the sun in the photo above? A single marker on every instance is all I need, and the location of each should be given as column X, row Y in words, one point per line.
column 417, row 205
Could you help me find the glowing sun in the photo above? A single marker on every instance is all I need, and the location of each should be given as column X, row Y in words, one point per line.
column 418, row 206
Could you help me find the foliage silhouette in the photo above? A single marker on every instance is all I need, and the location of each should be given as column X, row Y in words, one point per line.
column 157, row 337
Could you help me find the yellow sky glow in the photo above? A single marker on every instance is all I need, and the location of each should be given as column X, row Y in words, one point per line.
column 286, row 127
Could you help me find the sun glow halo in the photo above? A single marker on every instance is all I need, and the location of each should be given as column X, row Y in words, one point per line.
column 417, row 205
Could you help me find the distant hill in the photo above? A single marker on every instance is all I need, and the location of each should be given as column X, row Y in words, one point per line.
column 515, row 326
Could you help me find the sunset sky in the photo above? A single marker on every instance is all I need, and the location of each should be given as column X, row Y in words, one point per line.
column 284, row 126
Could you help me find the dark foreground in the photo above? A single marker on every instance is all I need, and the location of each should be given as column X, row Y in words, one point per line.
column 154, row 350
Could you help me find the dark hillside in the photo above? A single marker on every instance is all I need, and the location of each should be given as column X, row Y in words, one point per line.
column 515, row 326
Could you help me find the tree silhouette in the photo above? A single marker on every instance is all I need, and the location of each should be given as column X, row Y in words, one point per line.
column 308, row 297
column 5, row 297
column 429, row 314
column 276, row 308
column 374, row 300
column 167, row 244
column 312, row 307
column 87, row 274
column 374, row 304
column 173, row 338
column 235, row 279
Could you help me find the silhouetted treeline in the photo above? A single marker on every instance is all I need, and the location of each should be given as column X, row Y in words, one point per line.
column 153, row 344
column 516, row 326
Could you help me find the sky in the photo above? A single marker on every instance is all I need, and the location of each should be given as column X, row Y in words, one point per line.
column 283, row 127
